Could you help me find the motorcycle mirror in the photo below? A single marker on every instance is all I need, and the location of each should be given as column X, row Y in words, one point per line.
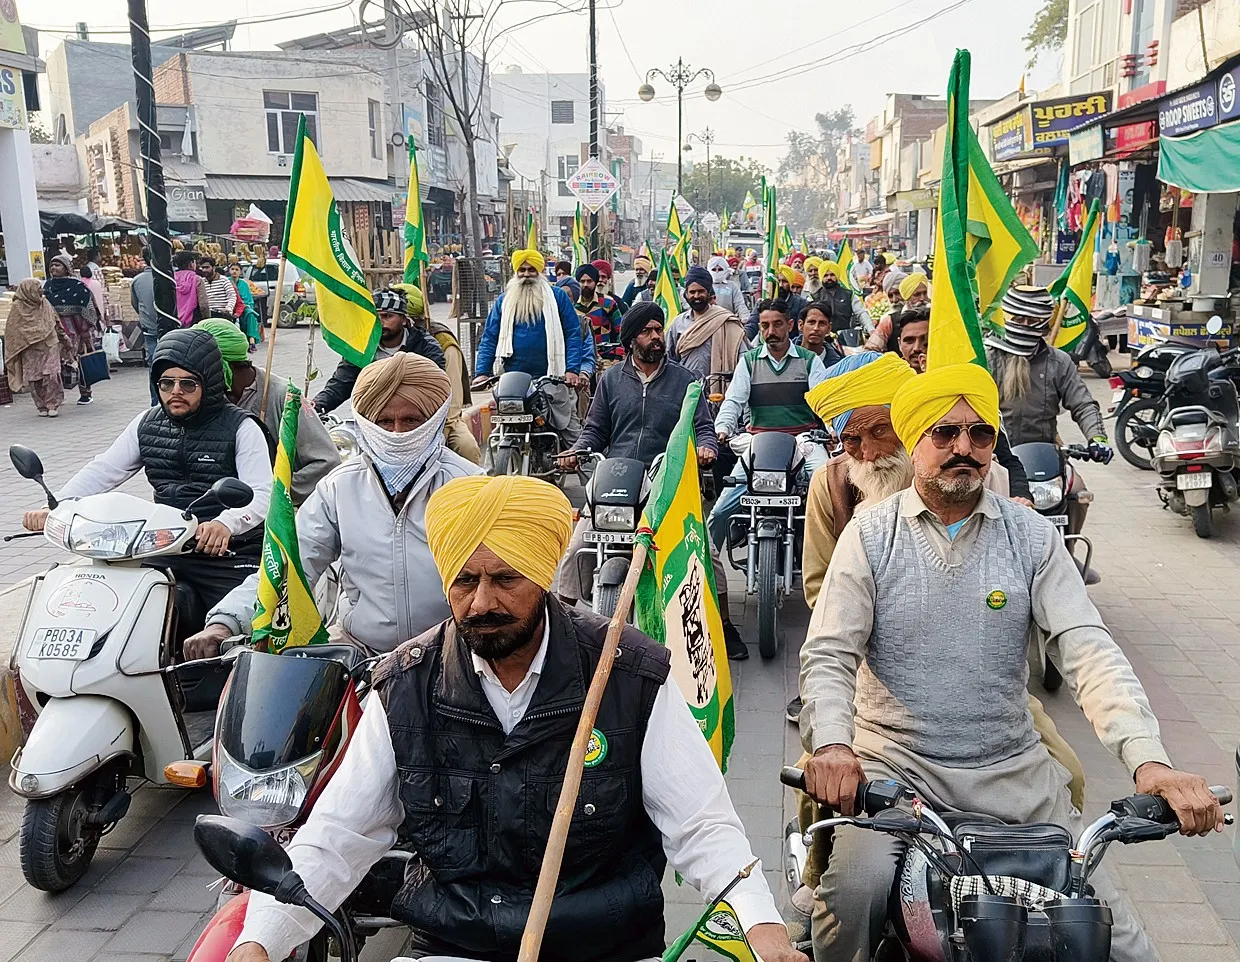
column 1214, row 325
column 232, row 493
column 30, row 467
column 242, row 852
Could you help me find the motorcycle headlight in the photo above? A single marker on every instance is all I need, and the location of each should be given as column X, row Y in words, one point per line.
column 102, row 539
column 769, row 482
column 156, row 539
column 614, row 517
column 346, row 443
column 270, row 799
column 1164, row 447
column 1143, row 370
column 510, row 406
column 1046, row 494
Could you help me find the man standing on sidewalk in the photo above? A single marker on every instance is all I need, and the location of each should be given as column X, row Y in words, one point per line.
column 142, row 298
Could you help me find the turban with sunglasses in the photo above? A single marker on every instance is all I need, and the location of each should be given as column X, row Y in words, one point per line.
column 923, row 400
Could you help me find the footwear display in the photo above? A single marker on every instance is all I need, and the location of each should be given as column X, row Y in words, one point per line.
column 85, row 400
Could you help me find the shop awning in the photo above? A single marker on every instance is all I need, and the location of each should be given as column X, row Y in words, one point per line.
column 250, row 188
column 1204, row 162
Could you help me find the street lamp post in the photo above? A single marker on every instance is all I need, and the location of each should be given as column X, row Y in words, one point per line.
column 706, row 137
column 680, row 76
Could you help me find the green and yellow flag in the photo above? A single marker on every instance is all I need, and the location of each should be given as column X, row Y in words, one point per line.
column 580, row 252
column 415, row 230
column 1076, row 285
column 315, row 243
column 749, row 203
column 531, row 231
column 680, row 253
column 845, row 262
column 674, row 231
column 286, row 615
column 665, row 294
column 676, row 601
column 718, row 929
column 769, row 201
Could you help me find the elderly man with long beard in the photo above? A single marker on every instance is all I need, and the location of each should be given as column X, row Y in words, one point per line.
column 914, row 667
column 533, row 327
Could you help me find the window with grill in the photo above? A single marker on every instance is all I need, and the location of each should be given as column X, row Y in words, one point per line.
column 372, row 111
column 284, row 108
column 566, row 166
column 434, row 115
column 561, row 111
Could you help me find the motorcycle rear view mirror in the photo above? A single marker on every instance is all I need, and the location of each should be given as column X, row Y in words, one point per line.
column 1214, row 325
column 229, row 492
column 242, row 852
column 30, row 467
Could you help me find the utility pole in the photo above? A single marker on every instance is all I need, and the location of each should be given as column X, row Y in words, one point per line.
column 153, row 169
column 680, row 76
column 594, row 244
column 706, row 137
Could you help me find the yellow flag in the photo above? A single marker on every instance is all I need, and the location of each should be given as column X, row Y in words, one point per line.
column 665, row 290
column 1076, row 285
column 720, row 930
column 674, row 230
column 315, row 242
column 843, row 265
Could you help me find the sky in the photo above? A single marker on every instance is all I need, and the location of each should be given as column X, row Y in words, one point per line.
column 739, row 41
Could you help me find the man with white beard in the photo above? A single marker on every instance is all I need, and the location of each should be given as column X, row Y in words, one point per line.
column 533, row 327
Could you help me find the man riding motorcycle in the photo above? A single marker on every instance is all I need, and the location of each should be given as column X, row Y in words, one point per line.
column 1035, row 380
column 949, row 577
column 370, row 514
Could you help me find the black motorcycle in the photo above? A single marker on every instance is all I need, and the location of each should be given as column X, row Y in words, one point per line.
column 1136, row 401
column 616, row 495
column 970, row 888
column 523, row 437
column 1091, row 347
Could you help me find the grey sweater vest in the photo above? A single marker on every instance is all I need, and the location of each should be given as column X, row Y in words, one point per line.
column 945, row 670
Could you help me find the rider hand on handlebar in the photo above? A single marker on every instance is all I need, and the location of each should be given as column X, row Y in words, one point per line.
column 832, row 777
column 1197, row 810
column 248, row 952
column 1100, row 451
column 34, row 520
column 575, row 381
column 567, row 461
column 723, row 437
column 212, row 538
column 705, row 456
column 478, row 382
column 206, row 644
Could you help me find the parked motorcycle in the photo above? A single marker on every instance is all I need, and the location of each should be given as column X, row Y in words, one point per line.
column 284, row 723
column 1197, row 454
column 1136, row 403
column 522, row 439
column 1091, row 347
column 616, row 496
column 970, row 888
column 100, row 692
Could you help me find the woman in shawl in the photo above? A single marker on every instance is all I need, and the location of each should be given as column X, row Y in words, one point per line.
column 248, row 321
column 32, row 342
column 79, row 321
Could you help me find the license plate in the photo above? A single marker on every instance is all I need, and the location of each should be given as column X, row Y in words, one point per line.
column 607, row 537
column 1115, row 399
column 1191, row 482
column 511, row 418
column 770, row 500
column 1058, row 520
column 65, row 644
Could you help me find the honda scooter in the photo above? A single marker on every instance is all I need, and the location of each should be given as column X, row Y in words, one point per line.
column 100, row 693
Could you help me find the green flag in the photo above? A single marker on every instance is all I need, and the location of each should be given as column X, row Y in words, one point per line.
column 415, row 230
column 1076, row 285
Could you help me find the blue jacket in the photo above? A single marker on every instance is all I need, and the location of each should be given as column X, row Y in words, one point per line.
column 529, row 342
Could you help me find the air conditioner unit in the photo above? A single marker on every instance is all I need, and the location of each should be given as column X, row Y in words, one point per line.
column 281, row 160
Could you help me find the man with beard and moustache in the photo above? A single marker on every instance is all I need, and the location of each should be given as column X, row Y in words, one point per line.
column 950, row 579
column 707, row 339
column 813, row 276
column 1035, row 379
column 794, row 302
column 601, row 310
column 641, row 269
column 847, row 309
column 533, row 327
column 399, row 335
column 462, row 747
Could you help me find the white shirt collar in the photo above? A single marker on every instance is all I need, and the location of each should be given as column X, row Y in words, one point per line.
column 486, row 673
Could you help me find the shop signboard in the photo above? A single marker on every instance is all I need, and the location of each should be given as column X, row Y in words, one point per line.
column 1009, row 136
column 1066, row 242
column 910, row 200
column 592, row 184
column 12, row 97
column 1052, row 119
column 11, row 29
column 1194, row 109
column 1229, row 96
column 187, row 202
column 1085, row 145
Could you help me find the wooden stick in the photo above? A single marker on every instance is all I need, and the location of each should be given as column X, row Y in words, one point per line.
column 553, row 856
column 1057, row 321
column 271, row 341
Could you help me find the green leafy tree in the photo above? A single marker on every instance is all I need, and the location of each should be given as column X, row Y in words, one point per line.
column 1048, row 30
column 806, row 198
column 729, row 181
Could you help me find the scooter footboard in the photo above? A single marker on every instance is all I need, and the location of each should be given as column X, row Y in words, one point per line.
column 221, row 933
column 71, row 738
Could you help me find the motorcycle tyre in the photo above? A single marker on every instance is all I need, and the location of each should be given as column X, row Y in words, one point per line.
column 768, row 598
column 507, row 461
column 287, row 318
column 1128, row 452
column 1203, row 523
column 608, row 599
column 1052, row 680
column 43, row 832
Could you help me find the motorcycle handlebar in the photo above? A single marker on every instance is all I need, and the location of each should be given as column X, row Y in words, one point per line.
column 872, row 797
column 1154, row 808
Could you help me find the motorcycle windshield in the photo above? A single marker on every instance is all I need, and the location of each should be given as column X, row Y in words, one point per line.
column 279, row 708
column 1039, row 459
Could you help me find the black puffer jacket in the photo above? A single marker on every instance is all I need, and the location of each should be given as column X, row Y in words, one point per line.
column 184, row 456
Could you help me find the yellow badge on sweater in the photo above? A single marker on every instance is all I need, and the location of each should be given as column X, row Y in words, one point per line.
column 996, row 599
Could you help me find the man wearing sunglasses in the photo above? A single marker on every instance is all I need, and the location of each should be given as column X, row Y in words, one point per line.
column 194, row 437
column 916, row 669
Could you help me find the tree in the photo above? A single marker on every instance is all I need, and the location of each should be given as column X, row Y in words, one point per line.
column 806, row 194
column 1048, row 30
column 730, row 180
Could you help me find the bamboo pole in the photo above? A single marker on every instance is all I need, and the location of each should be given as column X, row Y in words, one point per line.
column 553, row 856
column 271, row 341
column 1057, row 320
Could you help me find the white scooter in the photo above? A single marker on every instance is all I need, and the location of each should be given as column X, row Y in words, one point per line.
column 100, row 697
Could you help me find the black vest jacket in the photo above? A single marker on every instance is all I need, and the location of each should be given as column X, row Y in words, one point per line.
column 479, row 804
column 182, row 461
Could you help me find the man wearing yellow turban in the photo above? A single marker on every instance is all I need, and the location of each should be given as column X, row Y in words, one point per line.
column 463, row 747
column 917, row 666
column 813, row 276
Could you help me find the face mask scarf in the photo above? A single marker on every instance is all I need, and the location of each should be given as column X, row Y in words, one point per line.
column 400, row 457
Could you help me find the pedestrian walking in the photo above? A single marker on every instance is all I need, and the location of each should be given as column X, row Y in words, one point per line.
column 221, row 294
column 79, row 321
column 32, row 349
column 142, row 299
column 248, row 321
column 192, row 302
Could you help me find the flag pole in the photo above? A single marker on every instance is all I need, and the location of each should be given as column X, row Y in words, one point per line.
column 553, row 855
column 314, row 326
column 271, row 341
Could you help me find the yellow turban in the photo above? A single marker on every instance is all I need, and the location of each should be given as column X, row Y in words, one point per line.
column 416, row 379
column 788, row 273
column 834, row 268
column 526, row 522
column 531, row 257
column 814, row 262
column 871, row 382
column 909, row 285
column 415, row 304
column 922, row 400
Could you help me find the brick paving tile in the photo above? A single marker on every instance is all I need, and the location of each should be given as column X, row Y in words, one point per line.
column 28, row 904
column 1180, row 952
column 15, row 936
column 154, row 932
column 143, row 875
column 1225, row 897
column 186, row 893
column 102, row 911
column 1145, row 883
column 1194, row 924
column 60, row 946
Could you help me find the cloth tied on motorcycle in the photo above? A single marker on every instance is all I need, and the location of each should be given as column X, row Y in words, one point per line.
column 528, row 256
column 549, row 314
column 910, row 284
column 924, row 398
column 860, row 380
column 699, row 275
column 234, row 346
column 415, row 303
column 636, row 318
column 400, row 456
column 526, row 522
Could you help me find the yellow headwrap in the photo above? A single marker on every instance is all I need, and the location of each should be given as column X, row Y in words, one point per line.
column 525, row 521
column 834, row 268
column 814, row 262
column 531, row 257
column 921, row 401
column 788, row 273
column 415, row 303
column 865, row 386
column 909, row 285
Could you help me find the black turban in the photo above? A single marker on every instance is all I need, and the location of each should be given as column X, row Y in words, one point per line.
column 587, row 270
column 699, row 275
column 636, row 318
